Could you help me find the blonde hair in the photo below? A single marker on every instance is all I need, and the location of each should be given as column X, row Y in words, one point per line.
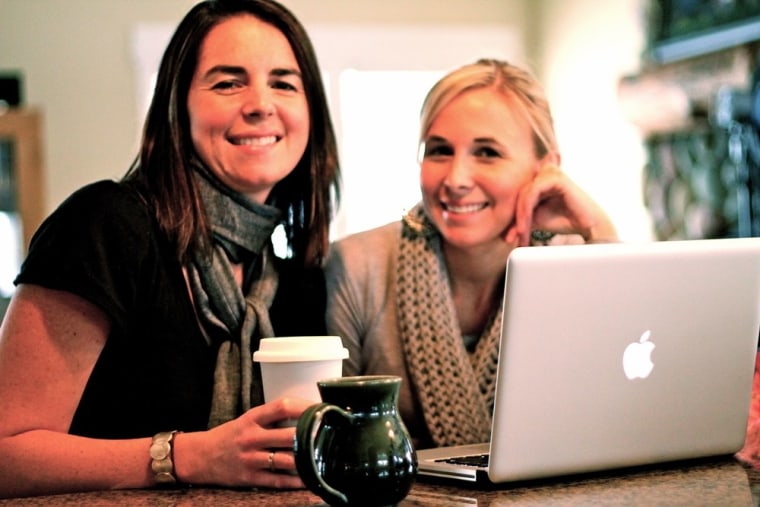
column 512, row 81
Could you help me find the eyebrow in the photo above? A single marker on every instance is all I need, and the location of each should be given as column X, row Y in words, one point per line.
column 224, row 69
column 238, row 70
column 486, row 140
column 477, row 140
column 286, row 72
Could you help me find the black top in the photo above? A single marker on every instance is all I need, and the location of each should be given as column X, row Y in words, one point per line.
column 155, row 372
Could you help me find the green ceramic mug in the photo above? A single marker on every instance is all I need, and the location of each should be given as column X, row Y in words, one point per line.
column 353, row 449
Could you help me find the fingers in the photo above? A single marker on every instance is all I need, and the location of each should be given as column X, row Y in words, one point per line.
column 512, row 237
column 271, row 461
column 252, row 450
column 278, row 470
column 750, row 453
column 279, row 481
column 275, row 423
column 274, row 412
column 552, row 202
column 519, row 233
column 277, row 460
column 529, row 199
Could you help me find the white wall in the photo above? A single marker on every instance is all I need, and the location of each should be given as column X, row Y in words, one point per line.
column 77, row 69
column 582, row 60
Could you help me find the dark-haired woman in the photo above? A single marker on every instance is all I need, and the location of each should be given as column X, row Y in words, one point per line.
column 125, row 354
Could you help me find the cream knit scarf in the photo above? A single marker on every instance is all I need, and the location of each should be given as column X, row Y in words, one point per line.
column 455, row 387
column 241, row 232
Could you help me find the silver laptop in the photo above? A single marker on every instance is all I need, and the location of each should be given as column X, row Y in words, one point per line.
column 615, row 356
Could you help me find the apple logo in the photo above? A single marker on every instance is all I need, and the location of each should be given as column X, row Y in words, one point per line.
column 637, row 358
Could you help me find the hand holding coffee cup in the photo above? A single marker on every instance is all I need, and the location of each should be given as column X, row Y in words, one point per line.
column 291, row 366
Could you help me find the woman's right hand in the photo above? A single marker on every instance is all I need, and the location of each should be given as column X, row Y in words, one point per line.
column 237, row 453
column 43, row 371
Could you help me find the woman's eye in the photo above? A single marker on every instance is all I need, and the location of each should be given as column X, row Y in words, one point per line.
column 284, row 85
column 438, row 151
column 486, row 152
column 226, row 85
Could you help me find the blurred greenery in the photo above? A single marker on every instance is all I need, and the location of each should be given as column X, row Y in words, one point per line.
column 670, row 19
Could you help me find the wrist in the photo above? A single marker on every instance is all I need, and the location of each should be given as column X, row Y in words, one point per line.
column 191, row 459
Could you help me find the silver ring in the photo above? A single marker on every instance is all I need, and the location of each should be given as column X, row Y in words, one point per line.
column 271, row 461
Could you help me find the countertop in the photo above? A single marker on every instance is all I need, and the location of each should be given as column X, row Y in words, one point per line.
column 723, row 482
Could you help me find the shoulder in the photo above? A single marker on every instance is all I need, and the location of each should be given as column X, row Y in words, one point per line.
column 101, row 228
column 363, row 257
column 102, row 192
column 102, row 202
column 373, row 244
column 101, row 244
column 104, row 208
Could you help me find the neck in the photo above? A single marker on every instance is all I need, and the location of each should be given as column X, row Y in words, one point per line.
column 477, row 265
column 477, row 279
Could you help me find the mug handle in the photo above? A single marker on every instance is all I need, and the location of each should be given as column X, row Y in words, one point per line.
column 307, row 431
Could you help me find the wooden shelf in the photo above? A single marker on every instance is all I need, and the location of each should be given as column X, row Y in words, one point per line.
column 24, row 128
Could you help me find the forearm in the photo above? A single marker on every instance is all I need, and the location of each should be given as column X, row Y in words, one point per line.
column 44, row 462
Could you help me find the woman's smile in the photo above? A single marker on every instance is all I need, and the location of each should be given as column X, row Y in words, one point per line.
column 463, row 209
column 254, row 141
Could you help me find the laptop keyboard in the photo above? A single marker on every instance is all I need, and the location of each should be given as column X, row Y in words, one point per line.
column 477, row 460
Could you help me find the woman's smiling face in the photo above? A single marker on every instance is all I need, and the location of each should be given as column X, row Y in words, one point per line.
column 249, row 117
column 478, row 153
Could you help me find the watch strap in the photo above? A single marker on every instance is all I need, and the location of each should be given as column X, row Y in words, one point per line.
column 161, row 455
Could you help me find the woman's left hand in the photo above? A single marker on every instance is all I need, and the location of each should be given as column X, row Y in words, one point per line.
column 552, row 202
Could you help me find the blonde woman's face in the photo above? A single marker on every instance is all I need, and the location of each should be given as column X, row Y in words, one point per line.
column 478, row 154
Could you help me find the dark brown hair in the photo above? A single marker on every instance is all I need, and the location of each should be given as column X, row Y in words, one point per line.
column 307, row 196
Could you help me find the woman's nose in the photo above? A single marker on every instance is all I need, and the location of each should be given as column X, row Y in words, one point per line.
column 459, row 176
column 258, row 102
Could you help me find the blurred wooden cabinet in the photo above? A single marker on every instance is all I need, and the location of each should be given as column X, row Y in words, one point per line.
column 21, row 168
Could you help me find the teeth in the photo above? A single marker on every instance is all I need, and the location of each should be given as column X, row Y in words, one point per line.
column 256, row 141
column 467, row 208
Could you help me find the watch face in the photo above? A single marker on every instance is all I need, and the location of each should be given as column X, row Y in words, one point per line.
column 160, row 449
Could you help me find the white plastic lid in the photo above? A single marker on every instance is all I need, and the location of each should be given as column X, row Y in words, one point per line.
column 300, row 348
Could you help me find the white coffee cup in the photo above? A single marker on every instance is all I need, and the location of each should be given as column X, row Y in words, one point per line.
column 292, row 365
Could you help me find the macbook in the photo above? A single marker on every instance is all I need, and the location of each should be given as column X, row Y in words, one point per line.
column 618, row 355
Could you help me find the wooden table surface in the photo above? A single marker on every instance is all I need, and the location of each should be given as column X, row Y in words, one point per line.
column 722, row 482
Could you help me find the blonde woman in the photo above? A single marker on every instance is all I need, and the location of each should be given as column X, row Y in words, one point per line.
column 421, row 298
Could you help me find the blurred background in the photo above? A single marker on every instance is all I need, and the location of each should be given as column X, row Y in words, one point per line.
column 635, row 87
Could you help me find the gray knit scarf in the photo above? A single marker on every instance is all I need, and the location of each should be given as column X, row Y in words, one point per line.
column 234, row 322
column 455, row 387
